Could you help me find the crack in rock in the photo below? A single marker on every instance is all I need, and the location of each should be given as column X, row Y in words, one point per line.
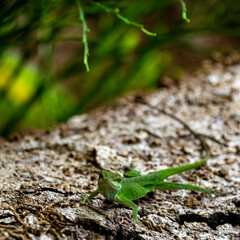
column 213, row 220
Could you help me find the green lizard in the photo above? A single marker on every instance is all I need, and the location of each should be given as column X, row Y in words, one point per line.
column 125, row 190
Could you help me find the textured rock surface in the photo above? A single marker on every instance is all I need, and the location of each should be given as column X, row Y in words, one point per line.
column 44, row 174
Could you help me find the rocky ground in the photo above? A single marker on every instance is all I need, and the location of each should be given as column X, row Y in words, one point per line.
column 44, row 175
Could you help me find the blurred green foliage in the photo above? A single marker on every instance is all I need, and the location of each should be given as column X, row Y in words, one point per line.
column 43, row 80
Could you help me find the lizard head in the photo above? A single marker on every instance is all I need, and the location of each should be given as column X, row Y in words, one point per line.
column 108, row 176
column 109, row 183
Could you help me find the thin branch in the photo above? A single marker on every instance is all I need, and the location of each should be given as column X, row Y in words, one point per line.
column 86, row 30
column 121, row 17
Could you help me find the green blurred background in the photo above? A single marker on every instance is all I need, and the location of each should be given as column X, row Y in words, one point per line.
column 43, row 80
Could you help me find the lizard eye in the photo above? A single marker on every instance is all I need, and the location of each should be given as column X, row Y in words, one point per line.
column 118, row 178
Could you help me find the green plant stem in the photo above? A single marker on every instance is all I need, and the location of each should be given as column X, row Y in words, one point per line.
column 121, row 17
column 184, row 11
column 86, row 30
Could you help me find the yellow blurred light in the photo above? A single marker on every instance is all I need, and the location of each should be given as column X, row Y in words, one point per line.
column 7, row 65
column 24, row 86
